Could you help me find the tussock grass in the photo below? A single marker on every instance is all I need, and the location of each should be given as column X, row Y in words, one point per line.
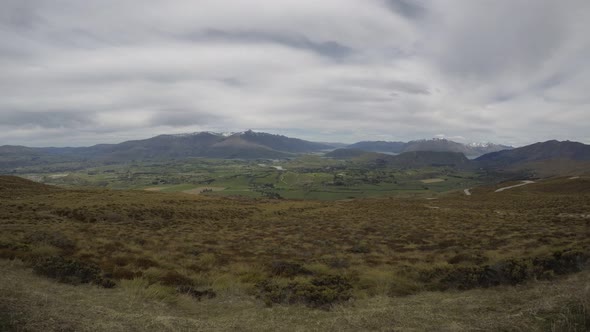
column 140, row 290
column 383, row 248
column 34, row 303
column 133, row 234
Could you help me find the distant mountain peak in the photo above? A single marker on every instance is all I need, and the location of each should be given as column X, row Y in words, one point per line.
column 214, row 133
column 196, row 133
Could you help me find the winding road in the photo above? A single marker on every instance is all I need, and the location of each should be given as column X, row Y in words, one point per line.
column 524, row 183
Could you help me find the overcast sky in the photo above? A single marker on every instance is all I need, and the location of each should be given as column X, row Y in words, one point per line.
column 76, row 73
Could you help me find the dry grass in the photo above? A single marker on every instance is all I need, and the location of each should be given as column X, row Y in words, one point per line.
column 130, row 233
column 37, row 304
column 157, row 246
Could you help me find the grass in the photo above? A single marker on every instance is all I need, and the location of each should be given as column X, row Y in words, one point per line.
column 299, row 257
column 32, row 303
column 127, row 232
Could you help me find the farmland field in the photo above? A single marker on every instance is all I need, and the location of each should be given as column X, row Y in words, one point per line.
column 306, row 177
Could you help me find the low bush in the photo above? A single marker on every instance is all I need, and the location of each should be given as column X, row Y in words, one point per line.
column 360, row 248
column 124, row 273
column 564, row 262
column 319, row 292
column 287, row 269
column 14, row 250
column 145, row 263
column 71, row 271
column 509, row 272
column 173, row 278
column 55, row 239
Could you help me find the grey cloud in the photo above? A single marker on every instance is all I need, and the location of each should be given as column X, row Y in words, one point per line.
column 47, row 119
column 488, row 39
column 347, row 95
column 409, row 8
column 20, row 14
column 409, row 68
column 182, row 118
column 367, row 91
column 232, row 81
column 394, row 86
column 327, row 48
column 408, row 87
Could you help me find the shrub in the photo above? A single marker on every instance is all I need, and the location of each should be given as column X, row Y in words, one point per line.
column 14, row 250
column 467, row 277
column 55, row 239
column 360, row 248
column 43, row 251
column 563, row 262
column 514, row 271
column 320, row 292
column 509, row 272
column 338, row 263
column 173, row 278
column 466, row 258
column 112, row 217
column 71, row 271
column 462, row 278
column 287, row 269
column 145, row 263
column 124, row 273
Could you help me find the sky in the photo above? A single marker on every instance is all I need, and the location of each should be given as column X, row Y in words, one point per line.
column 77, row 73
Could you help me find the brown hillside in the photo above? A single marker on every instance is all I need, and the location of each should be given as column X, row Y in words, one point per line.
column 580, row 185
column 14, row 184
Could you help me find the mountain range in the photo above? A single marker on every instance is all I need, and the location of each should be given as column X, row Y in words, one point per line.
column 551, row 157
column 243, row 145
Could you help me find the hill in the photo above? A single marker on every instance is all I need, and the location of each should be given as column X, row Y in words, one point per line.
column 346, row 153
column 418, row 159
column 10, row 183
column 413, row 159
column 436, row 144
column 444, row 145
column 246, row 145
column 283, row 143
column 379, row 146
column 543, row 159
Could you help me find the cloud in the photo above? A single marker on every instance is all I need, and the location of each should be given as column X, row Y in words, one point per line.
column 181, row 118
column 507, row 71
column 48, row 119
column 327, row 48
column 408, row 8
